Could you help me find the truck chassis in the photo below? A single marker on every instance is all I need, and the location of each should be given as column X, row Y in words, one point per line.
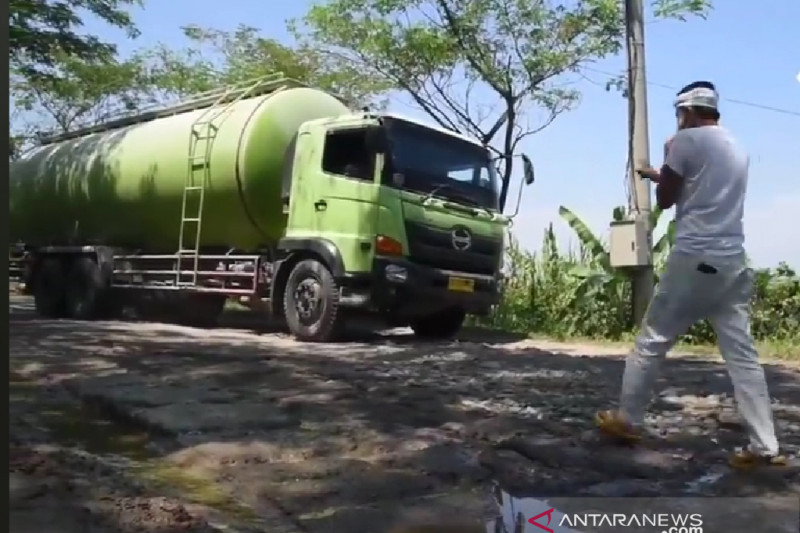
column 302, row 287
column 90, row 282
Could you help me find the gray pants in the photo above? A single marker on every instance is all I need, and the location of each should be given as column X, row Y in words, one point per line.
column 685, row 295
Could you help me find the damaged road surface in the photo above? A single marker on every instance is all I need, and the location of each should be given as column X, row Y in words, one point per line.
column 160, row 428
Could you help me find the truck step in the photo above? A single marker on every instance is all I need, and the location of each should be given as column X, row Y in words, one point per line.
column 191, row 219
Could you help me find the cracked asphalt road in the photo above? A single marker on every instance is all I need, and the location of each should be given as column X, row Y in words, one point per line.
column 361, row 435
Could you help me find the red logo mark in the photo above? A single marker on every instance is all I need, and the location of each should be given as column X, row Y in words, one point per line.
column 533, row 521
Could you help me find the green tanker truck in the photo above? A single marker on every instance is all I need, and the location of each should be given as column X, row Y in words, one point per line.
column 270, row 192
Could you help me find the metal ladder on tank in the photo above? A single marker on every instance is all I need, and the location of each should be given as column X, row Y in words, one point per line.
column 198, row 175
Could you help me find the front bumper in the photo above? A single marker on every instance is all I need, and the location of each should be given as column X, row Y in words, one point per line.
column 402, row 288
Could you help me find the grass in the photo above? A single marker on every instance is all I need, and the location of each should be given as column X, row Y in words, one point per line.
column 783, row 351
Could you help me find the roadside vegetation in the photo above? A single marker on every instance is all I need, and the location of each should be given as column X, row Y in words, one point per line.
column 575, row 294
column 368, row 51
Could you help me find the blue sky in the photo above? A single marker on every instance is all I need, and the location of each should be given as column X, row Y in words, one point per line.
column 580, row 159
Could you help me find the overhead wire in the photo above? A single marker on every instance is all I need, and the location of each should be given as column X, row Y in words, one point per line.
column 747, row 103
column 630, row 193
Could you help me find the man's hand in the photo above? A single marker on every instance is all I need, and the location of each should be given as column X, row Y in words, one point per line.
column 649, row 173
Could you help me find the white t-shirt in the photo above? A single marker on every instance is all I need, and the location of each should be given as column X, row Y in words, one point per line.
column 710, row 209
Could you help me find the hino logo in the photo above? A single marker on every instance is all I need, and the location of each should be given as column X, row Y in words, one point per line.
column 461, row 239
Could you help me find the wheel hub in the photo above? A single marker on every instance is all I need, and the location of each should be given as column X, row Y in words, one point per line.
column 307, row 299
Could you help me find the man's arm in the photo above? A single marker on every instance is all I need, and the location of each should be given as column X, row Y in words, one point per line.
column 669, row 187
column 669, row 180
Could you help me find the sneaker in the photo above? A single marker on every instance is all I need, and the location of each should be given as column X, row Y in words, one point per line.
column 614, row 425
column 747, row 460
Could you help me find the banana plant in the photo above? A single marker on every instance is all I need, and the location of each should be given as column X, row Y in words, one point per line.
column 598, row 279
column 663, row 246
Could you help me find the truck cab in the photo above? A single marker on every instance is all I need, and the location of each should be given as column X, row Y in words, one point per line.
column 388, row 216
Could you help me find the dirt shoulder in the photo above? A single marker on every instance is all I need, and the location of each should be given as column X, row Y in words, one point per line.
column 357, row 436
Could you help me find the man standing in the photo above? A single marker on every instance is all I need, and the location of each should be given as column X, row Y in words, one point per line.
column 705, row 176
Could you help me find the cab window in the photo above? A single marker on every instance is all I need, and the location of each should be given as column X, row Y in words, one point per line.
column 346, row 154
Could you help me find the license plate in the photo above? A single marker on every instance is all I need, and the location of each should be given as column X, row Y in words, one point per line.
column 461, row 285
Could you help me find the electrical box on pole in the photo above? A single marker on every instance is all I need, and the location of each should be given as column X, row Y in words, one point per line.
column 630, row 243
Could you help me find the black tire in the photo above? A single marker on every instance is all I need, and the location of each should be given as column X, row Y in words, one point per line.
column 201, row 310
column 325, row 320
column 85, row 292
column 49, row 294
column 443, row 325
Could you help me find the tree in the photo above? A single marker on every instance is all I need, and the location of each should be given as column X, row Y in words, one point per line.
column 41, row 31
column 215, row 58
column 57, row 74
column 441, row 52
column 84, row 93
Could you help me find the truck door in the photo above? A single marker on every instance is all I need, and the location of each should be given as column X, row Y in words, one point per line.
column 346, row 199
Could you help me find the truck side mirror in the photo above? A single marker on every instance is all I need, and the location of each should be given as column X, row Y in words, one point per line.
column 527, row 166
column 376, row 140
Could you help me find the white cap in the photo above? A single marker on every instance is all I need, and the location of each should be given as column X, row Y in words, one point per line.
column 699, row 96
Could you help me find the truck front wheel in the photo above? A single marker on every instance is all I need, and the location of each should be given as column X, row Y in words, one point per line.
column 443, row 325
column 311, row 303
column 49, row 294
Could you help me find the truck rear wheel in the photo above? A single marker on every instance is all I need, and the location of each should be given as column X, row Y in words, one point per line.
column 443, row 325
column 84, row 290
column 49, row 294
column 311, row 303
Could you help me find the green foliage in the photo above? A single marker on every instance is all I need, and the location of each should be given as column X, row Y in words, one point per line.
column 678, row 9
column 597, row 279
column 40, row 32
column 215, row 58
column 440, row 51
column 60, row 77
column 83, row 93
column 778, row 293
column 578, row 294
column 545, row 293
column 15, row 143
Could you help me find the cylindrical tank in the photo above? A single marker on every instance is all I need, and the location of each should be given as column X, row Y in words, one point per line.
column 124, row 187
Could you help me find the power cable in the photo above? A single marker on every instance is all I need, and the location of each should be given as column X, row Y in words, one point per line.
column 755, row 105
column 630, row 192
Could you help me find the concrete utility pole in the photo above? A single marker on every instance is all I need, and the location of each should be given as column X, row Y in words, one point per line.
column 639, row 146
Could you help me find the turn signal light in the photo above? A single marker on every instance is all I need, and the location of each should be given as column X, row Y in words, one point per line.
column 387, row 246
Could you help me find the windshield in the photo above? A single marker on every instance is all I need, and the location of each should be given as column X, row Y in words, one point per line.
column 433, row 162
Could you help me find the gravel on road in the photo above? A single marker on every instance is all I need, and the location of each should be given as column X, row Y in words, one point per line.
column 254, row 429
